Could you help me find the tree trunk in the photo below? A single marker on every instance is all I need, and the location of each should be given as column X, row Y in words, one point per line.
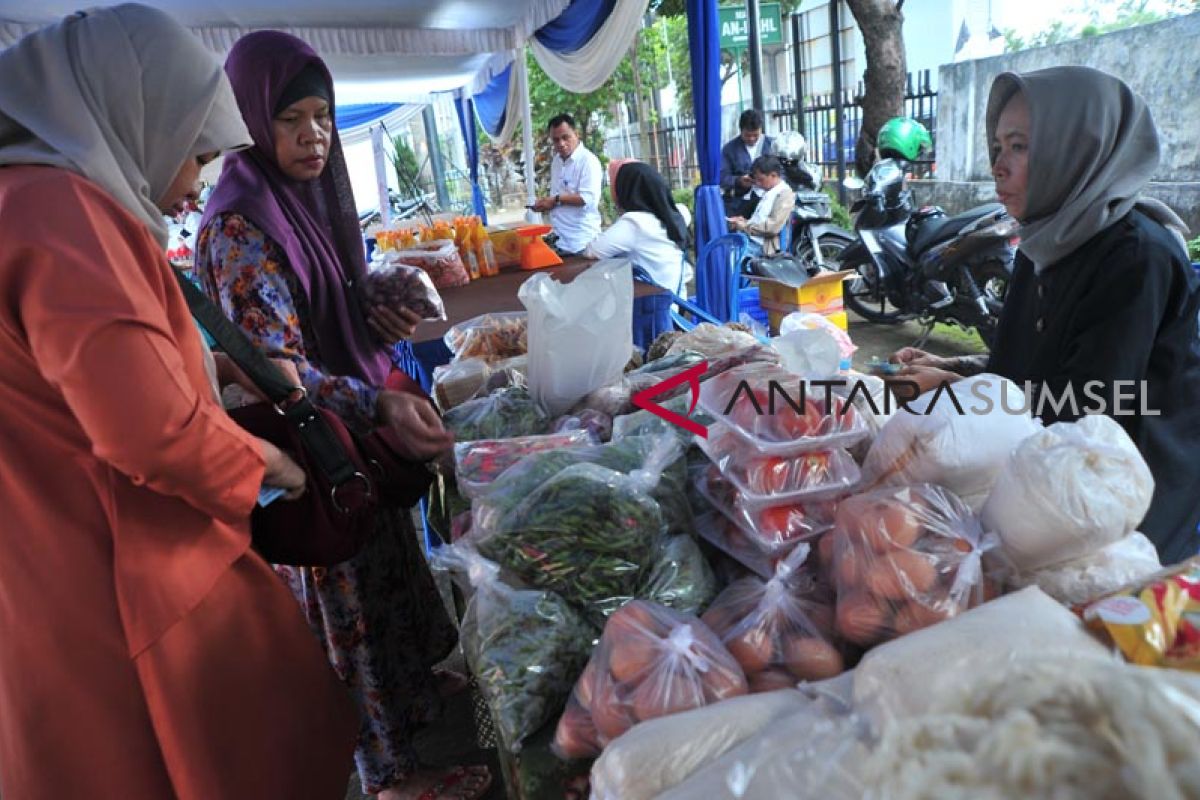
column 881, row 24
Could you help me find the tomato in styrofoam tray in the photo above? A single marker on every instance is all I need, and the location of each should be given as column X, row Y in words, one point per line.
column 800, row 477
column 905, row 558
column 767, row 531
column 779, row 412
column 651, row 661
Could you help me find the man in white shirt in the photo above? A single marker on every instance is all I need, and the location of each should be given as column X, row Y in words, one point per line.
column 575, row 180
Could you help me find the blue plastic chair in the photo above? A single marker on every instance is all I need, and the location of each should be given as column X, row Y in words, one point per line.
column 732, row 247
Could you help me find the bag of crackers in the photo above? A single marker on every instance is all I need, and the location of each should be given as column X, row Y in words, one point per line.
column 1156, row 622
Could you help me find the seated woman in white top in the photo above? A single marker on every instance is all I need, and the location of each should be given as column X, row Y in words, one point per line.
column 650, row 231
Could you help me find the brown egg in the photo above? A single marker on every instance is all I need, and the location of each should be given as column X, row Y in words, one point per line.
column 632, row 656
column 722, row 682
column 900, row 575
column 666, row 695
column 825, row 551
column 585, row 687
column 771, row 680
column 717, row 620
column 752, row 649
column 575, row 736
column 914, row 616
column 812, row 659
column 901, row 523
column 848, row 566
column 611, row 717
column 821, row 616
column 633, row 618
column 860, row 619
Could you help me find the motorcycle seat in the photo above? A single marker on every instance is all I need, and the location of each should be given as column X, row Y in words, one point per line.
column 940, row 229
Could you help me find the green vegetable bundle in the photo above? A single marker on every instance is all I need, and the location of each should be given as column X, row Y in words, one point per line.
column 679, row 577
column 588, row 532
column 526, row 648
column 502, row 414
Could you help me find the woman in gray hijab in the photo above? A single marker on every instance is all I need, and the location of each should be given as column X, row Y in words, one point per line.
column 1102, row 308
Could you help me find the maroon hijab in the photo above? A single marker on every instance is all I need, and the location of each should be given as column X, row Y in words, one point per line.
column 315, row 221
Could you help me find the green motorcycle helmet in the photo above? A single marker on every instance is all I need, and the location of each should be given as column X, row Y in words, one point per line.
column 903, row 137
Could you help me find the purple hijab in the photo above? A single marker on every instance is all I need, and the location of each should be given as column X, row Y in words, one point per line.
column 315, row 222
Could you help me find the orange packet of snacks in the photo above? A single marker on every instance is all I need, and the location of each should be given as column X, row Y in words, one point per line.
column 1155, row 623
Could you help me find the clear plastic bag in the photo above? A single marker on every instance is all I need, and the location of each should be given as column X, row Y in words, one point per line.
column 906, row 558
column 396, row 286
column 587, row 532
column 1068, row 491
column 799, row 478
column 438, row 258
column 492, row 337
column 964, row 452
column 478, row 463
column 780, row 631
column 679, row 577
column 626, row 456
column 651, row 662
column 759, row 399
column 580, row 333
column 712, row 341
column 504, row 414
column 597, row 424
column 526, row 648
column 771, row 528
column 642, row 423
column 468, row 378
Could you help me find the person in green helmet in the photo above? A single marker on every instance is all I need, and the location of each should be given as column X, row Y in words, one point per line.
column 903, row 138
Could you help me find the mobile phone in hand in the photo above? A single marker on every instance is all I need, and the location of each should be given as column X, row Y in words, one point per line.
column 269, row 494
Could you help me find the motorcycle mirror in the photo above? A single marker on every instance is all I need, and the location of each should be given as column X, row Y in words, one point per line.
column 853, row 183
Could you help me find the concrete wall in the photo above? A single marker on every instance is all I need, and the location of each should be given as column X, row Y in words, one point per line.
column 1161, row 62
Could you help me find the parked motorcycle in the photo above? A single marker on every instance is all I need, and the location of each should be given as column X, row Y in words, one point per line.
column 922, row 263
column 815, row 240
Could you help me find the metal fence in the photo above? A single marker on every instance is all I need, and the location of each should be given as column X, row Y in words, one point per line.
column 671, row 146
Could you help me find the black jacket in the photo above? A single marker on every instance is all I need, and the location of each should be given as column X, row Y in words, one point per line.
column 1123, row 307
column 735, row 162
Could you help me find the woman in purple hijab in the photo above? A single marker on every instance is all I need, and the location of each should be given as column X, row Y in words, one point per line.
column 280, row 249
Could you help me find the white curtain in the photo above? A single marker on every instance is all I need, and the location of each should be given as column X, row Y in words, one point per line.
column 586, row 69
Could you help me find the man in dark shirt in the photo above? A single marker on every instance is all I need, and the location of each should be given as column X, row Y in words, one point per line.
column 736, row 157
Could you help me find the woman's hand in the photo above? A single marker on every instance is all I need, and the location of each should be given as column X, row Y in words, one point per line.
column 391, row 326
column 282, row 471
column 912, row 357
column 230, row 373
column 926, row 377
column 418, row 424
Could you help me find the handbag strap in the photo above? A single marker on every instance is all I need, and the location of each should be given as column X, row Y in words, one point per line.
column 320, row 442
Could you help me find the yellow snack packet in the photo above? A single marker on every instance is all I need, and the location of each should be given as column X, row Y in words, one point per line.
column 1155, row 623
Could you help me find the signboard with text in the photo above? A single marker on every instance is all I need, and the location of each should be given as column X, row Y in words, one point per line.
column 735, row 26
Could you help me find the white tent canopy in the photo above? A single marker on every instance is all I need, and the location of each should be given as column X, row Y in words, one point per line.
column 378, row 50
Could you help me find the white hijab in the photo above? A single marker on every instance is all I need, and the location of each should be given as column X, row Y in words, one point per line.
column 123, row 96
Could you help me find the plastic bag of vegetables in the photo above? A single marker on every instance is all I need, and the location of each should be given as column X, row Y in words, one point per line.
column 651, row 662
column 525, row 647
column 515, row 484
column 680, row 577
column 478, row 463
column 502, row 414
column 906, row 558
column 587, row 531
column 780, row 631
column 398, row 286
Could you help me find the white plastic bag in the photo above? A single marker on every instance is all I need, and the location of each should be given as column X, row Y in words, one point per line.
column 1068, row 491
column 810, row 352
column 1130, row 558
column 580, row 333
column 964, row 452
column 807, row 320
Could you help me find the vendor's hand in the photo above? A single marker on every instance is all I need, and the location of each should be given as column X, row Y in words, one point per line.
column 543, row 204
column 414, row 419
column 744, row 182
column 926, row 378
column 392, row 325
column 736, row 223
column 282, row 471
column 913, row 357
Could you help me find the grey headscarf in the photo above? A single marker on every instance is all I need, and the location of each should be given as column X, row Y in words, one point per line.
column 1093, row 147
column 123, row 96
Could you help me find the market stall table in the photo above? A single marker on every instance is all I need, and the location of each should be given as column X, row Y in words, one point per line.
column 486, row 296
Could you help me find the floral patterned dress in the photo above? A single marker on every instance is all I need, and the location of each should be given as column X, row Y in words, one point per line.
column 379, row 615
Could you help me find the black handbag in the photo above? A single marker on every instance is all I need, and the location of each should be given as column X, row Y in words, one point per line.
column 349, row 477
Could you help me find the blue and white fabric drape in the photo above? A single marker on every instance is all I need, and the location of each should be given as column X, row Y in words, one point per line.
column 466, row 123
column 712, row 280
column 582, row 47
column 493, row 104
